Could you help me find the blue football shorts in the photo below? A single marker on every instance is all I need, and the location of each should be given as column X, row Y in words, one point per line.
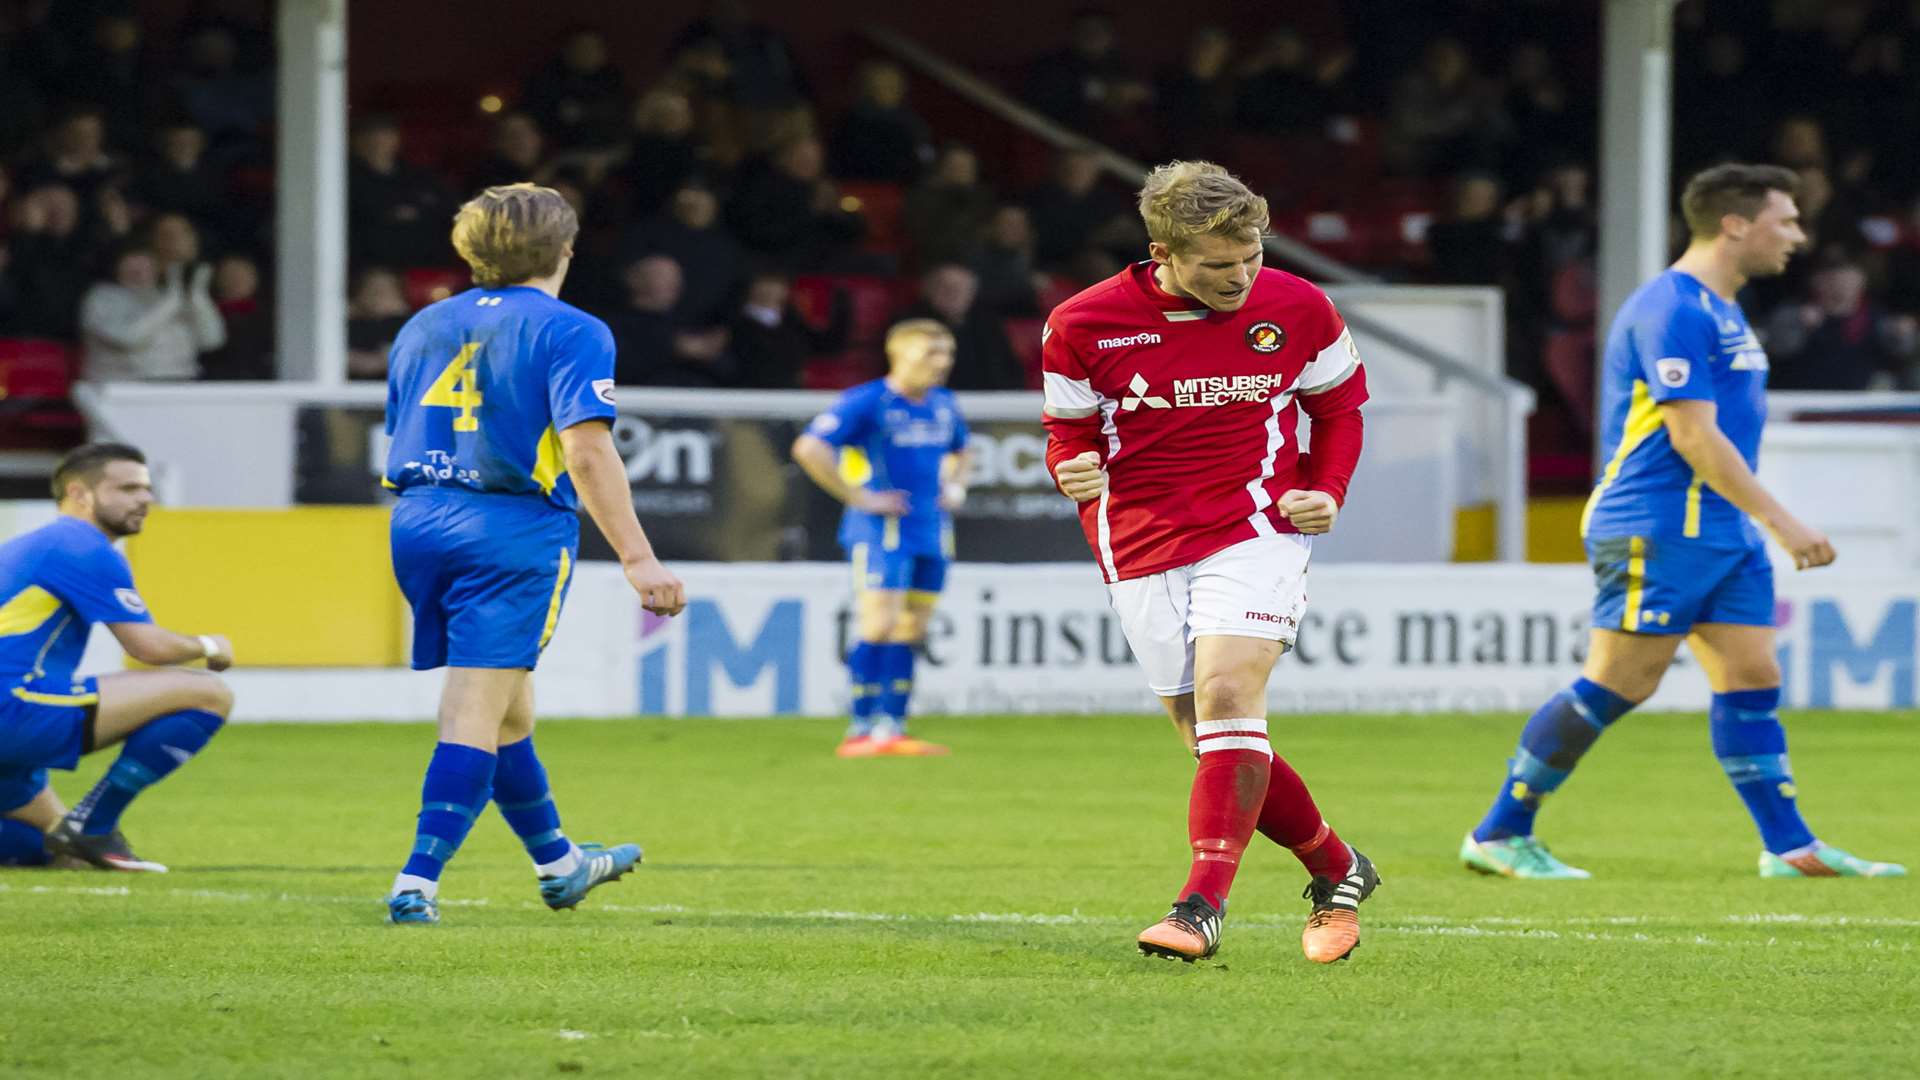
column 486, row 575
column 874, row 567
column 1655, row 585
column 43, row 726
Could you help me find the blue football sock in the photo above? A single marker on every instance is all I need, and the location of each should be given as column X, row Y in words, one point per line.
column 863, row 671
column 1752, row 748
column 520, row 790
column 21, row 844
column 162, row 745
column 896, row 680
column 1550, row 745
column 459, row 782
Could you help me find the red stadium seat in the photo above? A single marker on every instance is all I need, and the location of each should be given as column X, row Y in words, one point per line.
column 426, row 284
column 881, row 204
column 36, row 377
column 837, row 371
column 874, row 301
column 1024, row 335
column 1568, row 357
column 1574, row 293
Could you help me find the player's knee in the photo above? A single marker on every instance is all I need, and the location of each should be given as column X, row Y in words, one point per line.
column 1753, row 673
column 216, row 696
column 878, row 626
column 1222, row 695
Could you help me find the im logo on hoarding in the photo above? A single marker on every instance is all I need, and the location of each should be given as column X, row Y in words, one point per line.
column 710, row 650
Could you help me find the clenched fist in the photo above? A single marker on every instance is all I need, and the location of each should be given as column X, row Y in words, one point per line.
column 1082, row 478
column 1312, row 512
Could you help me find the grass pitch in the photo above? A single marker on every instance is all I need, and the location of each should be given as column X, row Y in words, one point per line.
column 802, row 916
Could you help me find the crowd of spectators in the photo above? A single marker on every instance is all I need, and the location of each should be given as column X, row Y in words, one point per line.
column 136, row 221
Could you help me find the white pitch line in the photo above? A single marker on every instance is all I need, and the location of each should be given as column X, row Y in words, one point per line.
column 1412, row 925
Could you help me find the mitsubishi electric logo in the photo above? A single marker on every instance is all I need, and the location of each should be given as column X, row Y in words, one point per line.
column 1139, row 396
column 1207, row 391
column 1142, row 338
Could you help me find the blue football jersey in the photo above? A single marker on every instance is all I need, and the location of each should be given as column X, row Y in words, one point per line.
column 890, row 442
column 55, row 583
column 480, row 385
column 1674, row 340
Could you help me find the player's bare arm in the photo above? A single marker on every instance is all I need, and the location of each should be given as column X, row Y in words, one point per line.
column 601, row 479
column 160, row 647
column 1696, row 436
column 821, row 462
column 956, row 470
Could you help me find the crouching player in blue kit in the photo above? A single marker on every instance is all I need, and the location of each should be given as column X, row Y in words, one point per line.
column 500, row 404
column 1670, row 531
column 893, row 450
column 55, row 583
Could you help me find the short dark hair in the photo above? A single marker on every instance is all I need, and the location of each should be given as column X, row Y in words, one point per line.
column 86, row 463
column 1732, row 188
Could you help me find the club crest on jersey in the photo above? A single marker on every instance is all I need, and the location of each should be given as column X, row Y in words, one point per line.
column 1266, row 337
column 131, row 601
column 1673, row 371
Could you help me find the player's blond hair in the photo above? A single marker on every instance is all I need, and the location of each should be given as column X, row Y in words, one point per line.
column 1184, row 200
column 916, row 330
column 514, row 233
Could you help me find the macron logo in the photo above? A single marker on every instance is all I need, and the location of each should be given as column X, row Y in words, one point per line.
column 1264, row 616
column 1142, row 338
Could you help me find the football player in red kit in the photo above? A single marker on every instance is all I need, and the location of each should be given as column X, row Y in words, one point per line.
column 1171, row 397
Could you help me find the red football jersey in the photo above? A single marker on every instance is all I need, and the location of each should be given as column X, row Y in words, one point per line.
column 1191, row 410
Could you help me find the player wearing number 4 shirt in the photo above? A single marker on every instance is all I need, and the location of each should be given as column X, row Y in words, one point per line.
column 1172, row 398
column 499, row 401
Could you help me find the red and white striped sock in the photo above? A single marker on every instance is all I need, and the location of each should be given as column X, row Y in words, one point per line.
column 1229, row 788
column 1291, row 820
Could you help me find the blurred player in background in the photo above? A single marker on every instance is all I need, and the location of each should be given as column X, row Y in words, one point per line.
column 1670, row 531
column 55, row 583
column 894, row 450
column 500, row 405
column 1172, row 392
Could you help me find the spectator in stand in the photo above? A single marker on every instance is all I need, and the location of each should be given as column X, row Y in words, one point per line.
column 1285, row 89
column 788, row 211
column 231, row 104
column 983, row 358
column 656, row 348
column 376, row 310
column 578, row 97
column 771, row 342
column 111, row 71
column 1838, row 338
column 1800, row 141
column 1470, row 246
column 663, row 153
column 1089, row 81
column 760, row 80
column 148, row 323
column 51, row 256
column 397, row 214
column 1009, row 282
column 519, row 154
column 1195, row 102
column 1073, row 212
column 1545, row 125
column 690, row 233
column 1444, row 113
column 879, row 137
column 74, row 155
column 946, row 213
column 248, row 352
column 179, row 178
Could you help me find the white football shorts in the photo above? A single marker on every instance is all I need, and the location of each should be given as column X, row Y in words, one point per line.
column 1256, row 588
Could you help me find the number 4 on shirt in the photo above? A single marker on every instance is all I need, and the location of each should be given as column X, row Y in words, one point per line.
column 458, row 388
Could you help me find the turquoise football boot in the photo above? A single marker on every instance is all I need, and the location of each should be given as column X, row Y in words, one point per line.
column 1517, row 857
column 598, row 865
column 1825, row 861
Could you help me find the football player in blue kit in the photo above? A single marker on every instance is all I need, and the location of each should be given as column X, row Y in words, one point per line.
column 55, row 583
column 1674, row 531
column 500, row 403
column 894, row 450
